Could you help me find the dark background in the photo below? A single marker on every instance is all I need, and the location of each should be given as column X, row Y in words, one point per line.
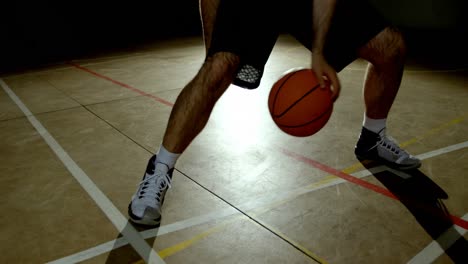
column 35, row 33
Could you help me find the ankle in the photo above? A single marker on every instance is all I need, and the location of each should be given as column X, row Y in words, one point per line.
column 374, row 125
column 166, row 157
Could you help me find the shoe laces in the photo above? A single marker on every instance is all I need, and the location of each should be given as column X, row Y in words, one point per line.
column 154, row 186
column 391, row 145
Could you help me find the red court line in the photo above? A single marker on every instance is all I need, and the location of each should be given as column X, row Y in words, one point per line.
column 338, row 173
column 121, row 84
column 456, row 220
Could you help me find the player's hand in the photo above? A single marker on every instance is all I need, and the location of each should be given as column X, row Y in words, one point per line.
column 325, row 73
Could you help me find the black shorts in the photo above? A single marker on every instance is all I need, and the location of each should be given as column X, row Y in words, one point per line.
column 250, row 28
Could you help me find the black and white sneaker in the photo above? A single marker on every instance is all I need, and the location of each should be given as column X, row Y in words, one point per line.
column 378, row 147
column 145, row 207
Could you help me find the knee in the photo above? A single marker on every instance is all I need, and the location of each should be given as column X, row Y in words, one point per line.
column 395, row 45
column 218, row 71
column 387, row 48
column 211, row 81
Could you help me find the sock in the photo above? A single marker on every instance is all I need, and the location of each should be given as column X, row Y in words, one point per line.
column 374, row 125
column 166, row 157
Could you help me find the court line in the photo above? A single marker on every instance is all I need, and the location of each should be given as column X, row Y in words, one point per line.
column 356, row 166
column 121, row 84
column 356, row 180
column 350, row 169
column 170, row 104
column 307, row 252
column 370, row 186
column 265, row 201
column 219, row 227
column 417, row 71
column 434, row 250
column 106, row 206
column 434, row 130
column 344, row 175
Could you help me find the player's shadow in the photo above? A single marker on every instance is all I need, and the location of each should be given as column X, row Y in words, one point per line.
column 423, row 198
column 123, row 253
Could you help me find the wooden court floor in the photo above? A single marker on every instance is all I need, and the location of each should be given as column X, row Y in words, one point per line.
column 75, row 139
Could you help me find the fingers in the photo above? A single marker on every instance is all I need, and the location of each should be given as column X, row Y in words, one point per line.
column 326, row 75
column 319, row 74
column 335, row 82
column 329, row 78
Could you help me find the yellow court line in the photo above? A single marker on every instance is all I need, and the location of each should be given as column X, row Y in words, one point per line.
column 358, row 166
column 434, row 130
column 185, row 244
column 167, row 252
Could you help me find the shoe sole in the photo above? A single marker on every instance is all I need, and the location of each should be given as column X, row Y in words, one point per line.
column 144, row 221
column 389, row 164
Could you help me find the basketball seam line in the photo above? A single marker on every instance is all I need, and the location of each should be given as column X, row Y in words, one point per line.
column 311, row 121
column 298, row 100
column 276, row 95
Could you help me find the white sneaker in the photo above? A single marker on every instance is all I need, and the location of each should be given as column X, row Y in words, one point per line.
column 145, row 207
column 379, row 147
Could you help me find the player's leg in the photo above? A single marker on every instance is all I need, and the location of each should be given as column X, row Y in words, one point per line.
column 357, row 30
column 196, row 101
column 228, row 43
column 188, row 117
column 386, row 55
column 203, row 91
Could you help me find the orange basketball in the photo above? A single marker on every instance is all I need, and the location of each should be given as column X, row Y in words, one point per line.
column 298, row 105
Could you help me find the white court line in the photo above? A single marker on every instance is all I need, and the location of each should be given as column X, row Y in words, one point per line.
column 114, row 215
column 150, row 233
column 434, row 250
column 415, row 71
column 255, row 203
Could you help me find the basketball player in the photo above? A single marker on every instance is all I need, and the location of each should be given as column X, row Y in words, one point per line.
column 239, row 36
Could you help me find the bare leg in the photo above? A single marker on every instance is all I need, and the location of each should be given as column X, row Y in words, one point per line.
column 194, row 104
column 386, row 54
column 188, row 118
column 196, row 101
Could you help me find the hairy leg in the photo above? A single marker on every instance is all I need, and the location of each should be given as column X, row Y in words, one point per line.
column 386, row 55
column 196, row 101
column 194, row 104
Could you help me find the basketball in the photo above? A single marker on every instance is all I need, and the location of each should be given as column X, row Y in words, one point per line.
column 298, row 105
